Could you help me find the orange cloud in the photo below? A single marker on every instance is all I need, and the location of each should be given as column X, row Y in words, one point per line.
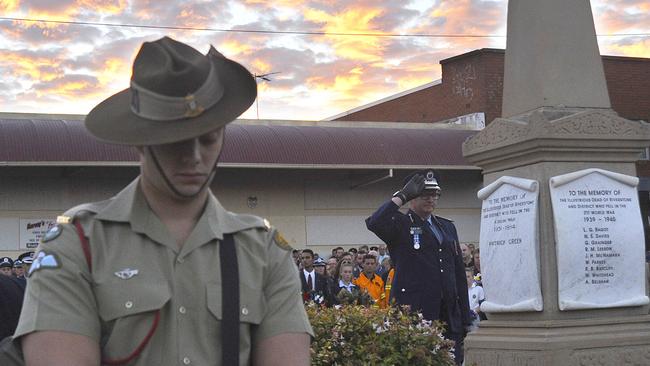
column 114, row 69
column 276, row 3
column 9, row 5
column 72, row 89
column 260, row 66
column 348, row 86
column 232, row 48
column 103, row 6
column 640, row 48
column 346, row 83
column 353, row 20
column 188, row 17
column 35, row 68
column 467, row 17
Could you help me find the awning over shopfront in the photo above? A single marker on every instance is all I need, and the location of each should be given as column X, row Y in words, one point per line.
column 46, row 141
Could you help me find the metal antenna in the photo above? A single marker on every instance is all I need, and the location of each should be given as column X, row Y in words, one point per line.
column 263, row 77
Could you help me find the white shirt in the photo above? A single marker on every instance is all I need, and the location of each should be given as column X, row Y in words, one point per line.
column 382, row 257
column 311, row 274
column 348, row 287
column 475, row 294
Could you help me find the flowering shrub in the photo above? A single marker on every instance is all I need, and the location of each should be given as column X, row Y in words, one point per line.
column 357, row 335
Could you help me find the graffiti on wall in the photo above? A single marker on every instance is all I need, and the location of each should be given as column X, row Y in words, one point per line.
column 462, row 81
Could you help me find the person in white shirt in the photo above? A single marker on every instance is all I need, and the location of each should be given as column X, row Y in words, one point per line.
column 476, row 297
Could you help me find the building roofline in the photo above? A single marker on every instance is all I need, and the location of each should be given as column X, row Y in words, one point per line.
column 350, row 124
column 626, row 58
column 260, row 122
column 383, row 100
column 503, row 51
column 136, row 164
column 23, row 115
column 472, row 53
column 273, row 144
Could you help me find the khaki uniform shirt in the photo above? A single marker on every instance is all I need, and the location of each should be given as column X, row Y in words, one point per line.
column 137, row 268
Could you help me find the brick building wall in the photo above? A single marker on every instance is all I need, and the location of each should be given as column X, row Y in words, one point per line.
column 473, row 82
column 628, row 82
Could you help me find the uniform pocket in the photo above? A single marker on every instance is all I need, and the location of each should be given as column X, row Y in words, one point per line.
column 128, row 310
column 252, row 304
column 119, row 300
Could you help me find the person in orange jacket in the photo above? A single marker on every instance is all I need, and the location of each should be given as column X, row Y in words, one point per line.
column 370, row 282
column 388, row 284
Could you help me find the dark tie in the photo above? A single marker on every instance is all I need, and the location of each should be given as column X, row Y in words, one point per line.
column 309, row 283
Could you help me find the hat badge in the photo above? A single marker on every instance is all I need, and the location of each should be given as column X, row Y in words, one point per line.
column 193, row 107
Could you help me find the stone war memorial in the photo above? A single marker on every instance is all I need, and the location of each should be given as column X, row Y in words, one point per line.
column 562, row 242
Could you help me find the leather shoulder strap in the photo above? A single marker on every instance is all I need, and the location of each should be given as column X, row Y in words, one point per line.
column 84, row 244
column 229, row 301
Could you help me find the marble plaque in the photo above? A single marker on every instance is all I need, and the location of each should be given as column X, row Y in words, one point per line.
column 509, row 246
column 599, row 240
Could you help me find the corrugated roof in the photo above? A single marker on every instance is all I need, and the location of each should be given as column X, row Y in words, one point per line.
column 65, row 142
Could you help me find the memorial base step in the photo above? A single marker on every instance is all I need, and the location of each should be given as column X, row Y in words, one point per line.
column 599, row 342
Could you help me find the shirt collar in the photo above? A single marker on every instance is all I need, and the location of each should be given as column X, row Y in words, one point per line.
column 130, row 206
column 342, row 284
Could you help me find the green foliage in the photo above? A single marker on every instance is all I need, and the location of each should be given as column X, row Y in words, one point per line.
column 358, row 335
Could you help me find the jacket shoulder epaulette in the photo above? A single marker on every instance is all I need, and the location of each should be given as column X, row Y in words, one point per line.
column 444, row 218
column 239, row 222
column 83, row 210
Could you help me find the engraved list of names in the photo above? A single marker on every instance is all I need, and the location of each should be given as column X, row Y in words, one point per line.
column 599, row 237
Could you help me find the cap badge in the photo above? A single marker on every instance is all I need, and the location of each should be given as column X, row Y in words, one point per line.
column 126, row 273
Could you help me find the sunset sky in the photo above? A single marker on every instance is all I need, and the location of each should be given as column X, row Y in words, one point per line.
column 68, row 68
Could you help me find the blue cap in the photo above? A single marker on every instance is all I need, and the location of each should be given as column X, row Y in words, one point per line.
column 6, row 262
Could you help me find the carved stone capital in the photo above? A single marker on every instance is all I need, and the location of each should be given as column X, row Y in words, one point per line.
column 560, row 130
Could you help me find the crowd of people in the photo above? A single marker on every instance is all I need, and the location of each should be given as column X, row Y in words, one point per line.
column 364, row 276
column 13, row 280
column 360, row 276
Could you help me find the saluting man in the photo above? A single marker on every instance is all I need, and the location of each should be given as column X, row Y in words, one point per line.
column 162, row 274
column 429, row 271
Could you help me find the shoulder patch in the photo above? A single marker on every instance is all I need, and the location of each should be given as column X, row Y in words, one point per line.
column 281, row 241
column 44, row 261
column 53, row 233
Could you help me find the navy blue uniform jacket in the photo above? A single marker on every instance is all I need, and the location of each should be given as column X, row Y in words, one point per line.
column 426, row 276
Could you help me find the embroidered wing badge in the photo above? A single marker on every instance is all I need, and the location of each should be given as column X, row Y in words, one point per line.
column 126, row 273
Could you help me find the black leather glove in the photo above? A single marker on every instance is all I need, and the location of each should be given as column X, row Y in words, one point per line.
column 412, row 189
